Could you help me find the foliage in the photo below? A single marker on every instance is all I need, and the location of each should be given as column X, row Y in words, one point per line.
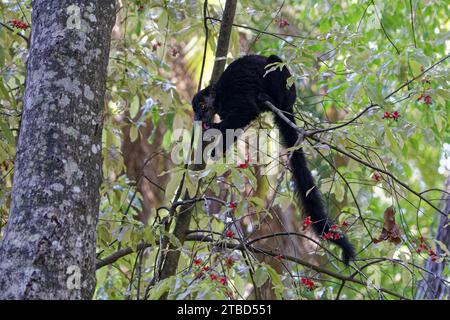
column 348, row 58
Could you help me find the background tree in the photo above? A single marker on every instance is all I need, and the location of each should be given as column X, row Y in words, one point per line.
column 48, row 249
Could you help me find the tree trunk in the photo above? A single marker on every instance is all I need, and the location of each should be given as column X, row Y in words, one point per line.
column 183, row 218
column 48, row 251
column 433, row 286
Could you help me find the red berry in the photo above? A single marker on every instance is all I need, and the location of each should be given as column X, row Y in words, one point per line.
column 205, row 268
column 230, row 234
column 344, row 223
column 223, row 280
column 229, row 262
column 376, row 176
column 243, row 165
column 387, row 115
column 306, row 222
column 308, row 283
column 213, row 277
column 232, row 205
column 427, row 100
column 197, row 262
column 283, row 23
column 279, row 257
column 395, row 115
column 328, row 235
column 334, row 227
column 19, row 24
column 174, row 52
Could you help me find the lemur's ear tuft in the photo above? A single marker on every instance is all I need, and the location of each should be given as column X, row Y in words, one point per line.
column 273, row 58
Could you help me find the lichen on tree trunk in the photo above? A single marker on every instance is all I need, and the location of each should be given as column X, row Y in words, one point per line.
column 48, row 251
column 434, row 286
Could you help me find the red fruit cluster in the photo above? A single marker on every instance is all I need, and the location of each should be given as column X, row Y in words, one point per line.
column 243, row 165
column 426, row 98
column 306, row 222
column 230, row 234
column 232, row 205
column 155, row 45
column 282, row 23
column 424, row 248
column 229, row 262
column 223, row 280
column 200, row 273
column 19, row 24
column 174, row 52
column 376, row 176
column 345, row 224
column 333, row 234
column 433, row 255
column 279, row 257
column 214, row 277
column 197, row 262
column 394, row 115
column 308, row 283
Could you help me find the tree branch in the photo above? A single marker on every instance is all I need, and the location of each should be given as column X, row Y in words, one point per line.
column 233, row 246
column 16, row 33
column 183, row 218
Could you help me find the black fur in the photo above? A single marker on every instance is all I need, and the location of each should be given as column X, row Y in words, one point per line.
column 238, row 98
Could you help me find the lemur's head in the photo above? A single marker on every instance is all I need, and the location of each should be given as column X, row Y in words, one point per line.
column 203, row 105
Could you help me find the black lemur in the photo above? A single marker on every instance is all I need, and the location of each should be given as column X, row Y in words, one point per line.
column 238, row 98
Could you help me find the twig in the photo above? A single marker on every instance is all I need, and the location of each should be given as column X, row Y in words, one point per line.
column 384, row 30
column 121, row 253
column 16, row 33
column 412, row 22
column 301, row 131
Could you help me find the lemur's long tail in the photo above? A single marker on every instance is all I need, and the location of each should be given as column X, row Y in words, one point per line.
column 307, row 192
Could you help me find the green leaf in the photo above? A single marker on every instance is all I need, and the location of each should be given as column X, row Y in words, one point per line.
column 276, row 281
column 134, row 133
column 443, row 247
column 161, row 288
column 261, row 276
column 134, row 108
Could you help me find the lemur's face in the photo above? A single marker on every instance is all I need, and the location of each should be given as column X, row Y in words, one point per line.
column 202, row 103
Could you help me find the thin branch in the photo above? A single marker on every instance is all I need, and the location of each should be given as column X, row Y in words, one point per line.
column 183, row 217
column 412, row 22
column 384, row 30
column 16, row 33
column 121, row 253
column 369, row 165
